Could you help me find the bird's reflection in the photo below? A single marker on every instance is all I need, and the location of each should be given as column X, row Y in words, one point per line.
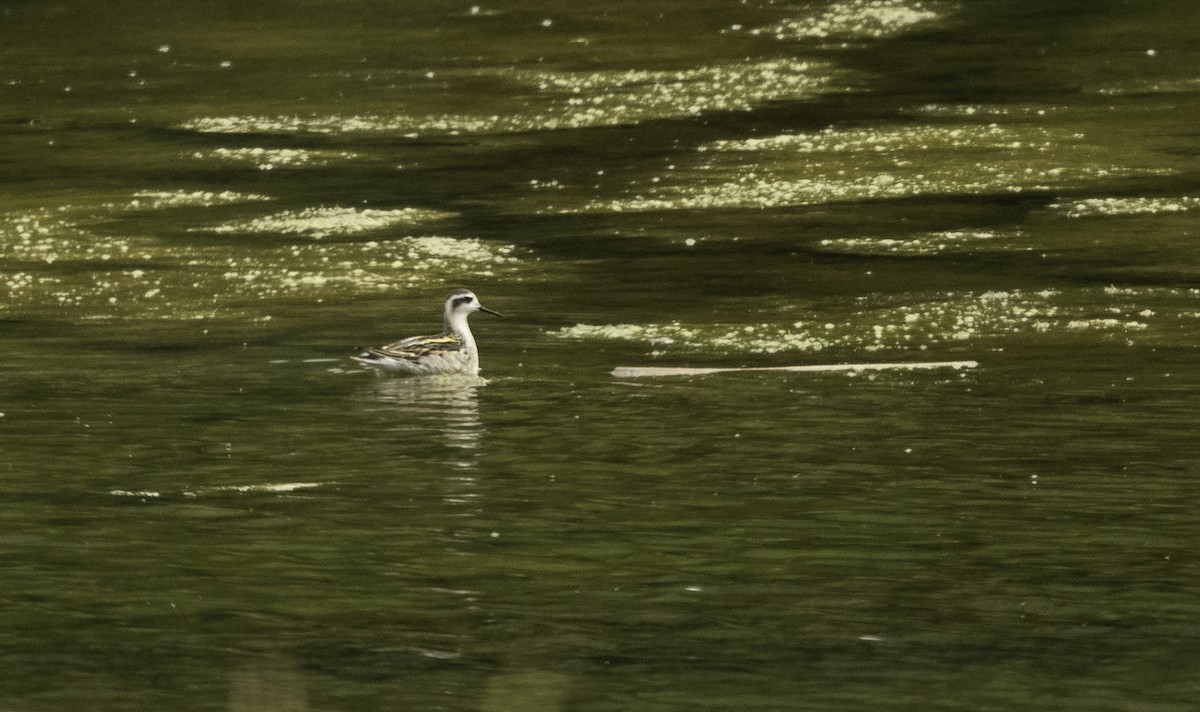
column 445, row 405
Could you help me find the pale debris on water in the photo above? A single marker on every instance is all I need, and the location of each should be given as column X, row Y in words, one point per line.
column 266, row 159
column 51, row 236
column 1188, row 85
column 612, row 98
column 217, row 280
column 342, row 124
column 981, row 110
column 1103, row 324
column 324, row 222
column 872, row 140
column 358, row 267
column 923, row 244
column 858, row 19
column 1096, row 207
column 866, row 164
column 194, row 198
column 571, row 100
column 279, row 488
column 944, row 319
column 269, row 488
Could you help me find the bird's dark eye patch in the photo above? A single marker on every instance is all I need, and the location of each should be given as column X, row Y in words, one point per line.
column 466, row 299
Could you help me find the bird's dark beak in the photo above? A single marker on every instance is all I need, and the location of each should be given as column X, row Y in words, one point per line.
column 493, row 312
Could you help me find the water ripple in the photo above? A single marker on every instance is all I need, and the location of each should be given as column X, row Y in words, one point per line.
column 569, row 100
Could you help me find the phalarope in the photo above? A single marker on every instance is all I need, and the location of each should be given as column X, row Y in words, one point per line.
column 451, row 352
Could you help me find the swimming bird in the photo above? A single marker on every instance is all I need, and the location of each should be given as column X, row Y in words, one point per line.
column 451, row 352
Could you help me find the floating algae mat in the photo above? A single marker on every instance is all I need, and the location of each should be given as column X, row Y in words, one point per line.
column 843, row 165
column 919, row 323
column 61, row 260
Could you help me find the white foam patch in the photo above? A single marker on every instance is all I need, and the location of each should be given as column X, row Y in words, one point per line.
column 360, row 267
column 867, row 164
column 858, row 19
column 947, row 319
column 266, row 159
column 48, row 236
column 1111, row 207
column 1032, row 111
column 158, row 199
column 921, row 138
column 611, row 98
column 345, row 268
column 569, row 100
column 119, row 277
column 1188, row 85
column 325, row 222
column 930, row 243
column 343, row 124
column 269, row 488
column 281, row 487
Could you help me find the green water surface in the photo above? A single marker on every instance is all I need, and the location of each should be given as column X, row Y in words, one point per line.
column 204, row 207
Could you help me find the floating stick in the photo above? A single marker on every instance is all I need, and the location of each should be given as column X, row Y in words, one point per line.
column 652, row 371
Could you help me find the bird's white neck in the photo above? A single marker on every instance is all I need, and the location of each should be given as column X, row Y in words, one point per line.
column 456, row 323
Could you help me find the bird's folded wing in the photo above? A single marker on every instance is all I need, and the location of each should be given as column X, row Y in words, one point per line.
column 418, row 346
